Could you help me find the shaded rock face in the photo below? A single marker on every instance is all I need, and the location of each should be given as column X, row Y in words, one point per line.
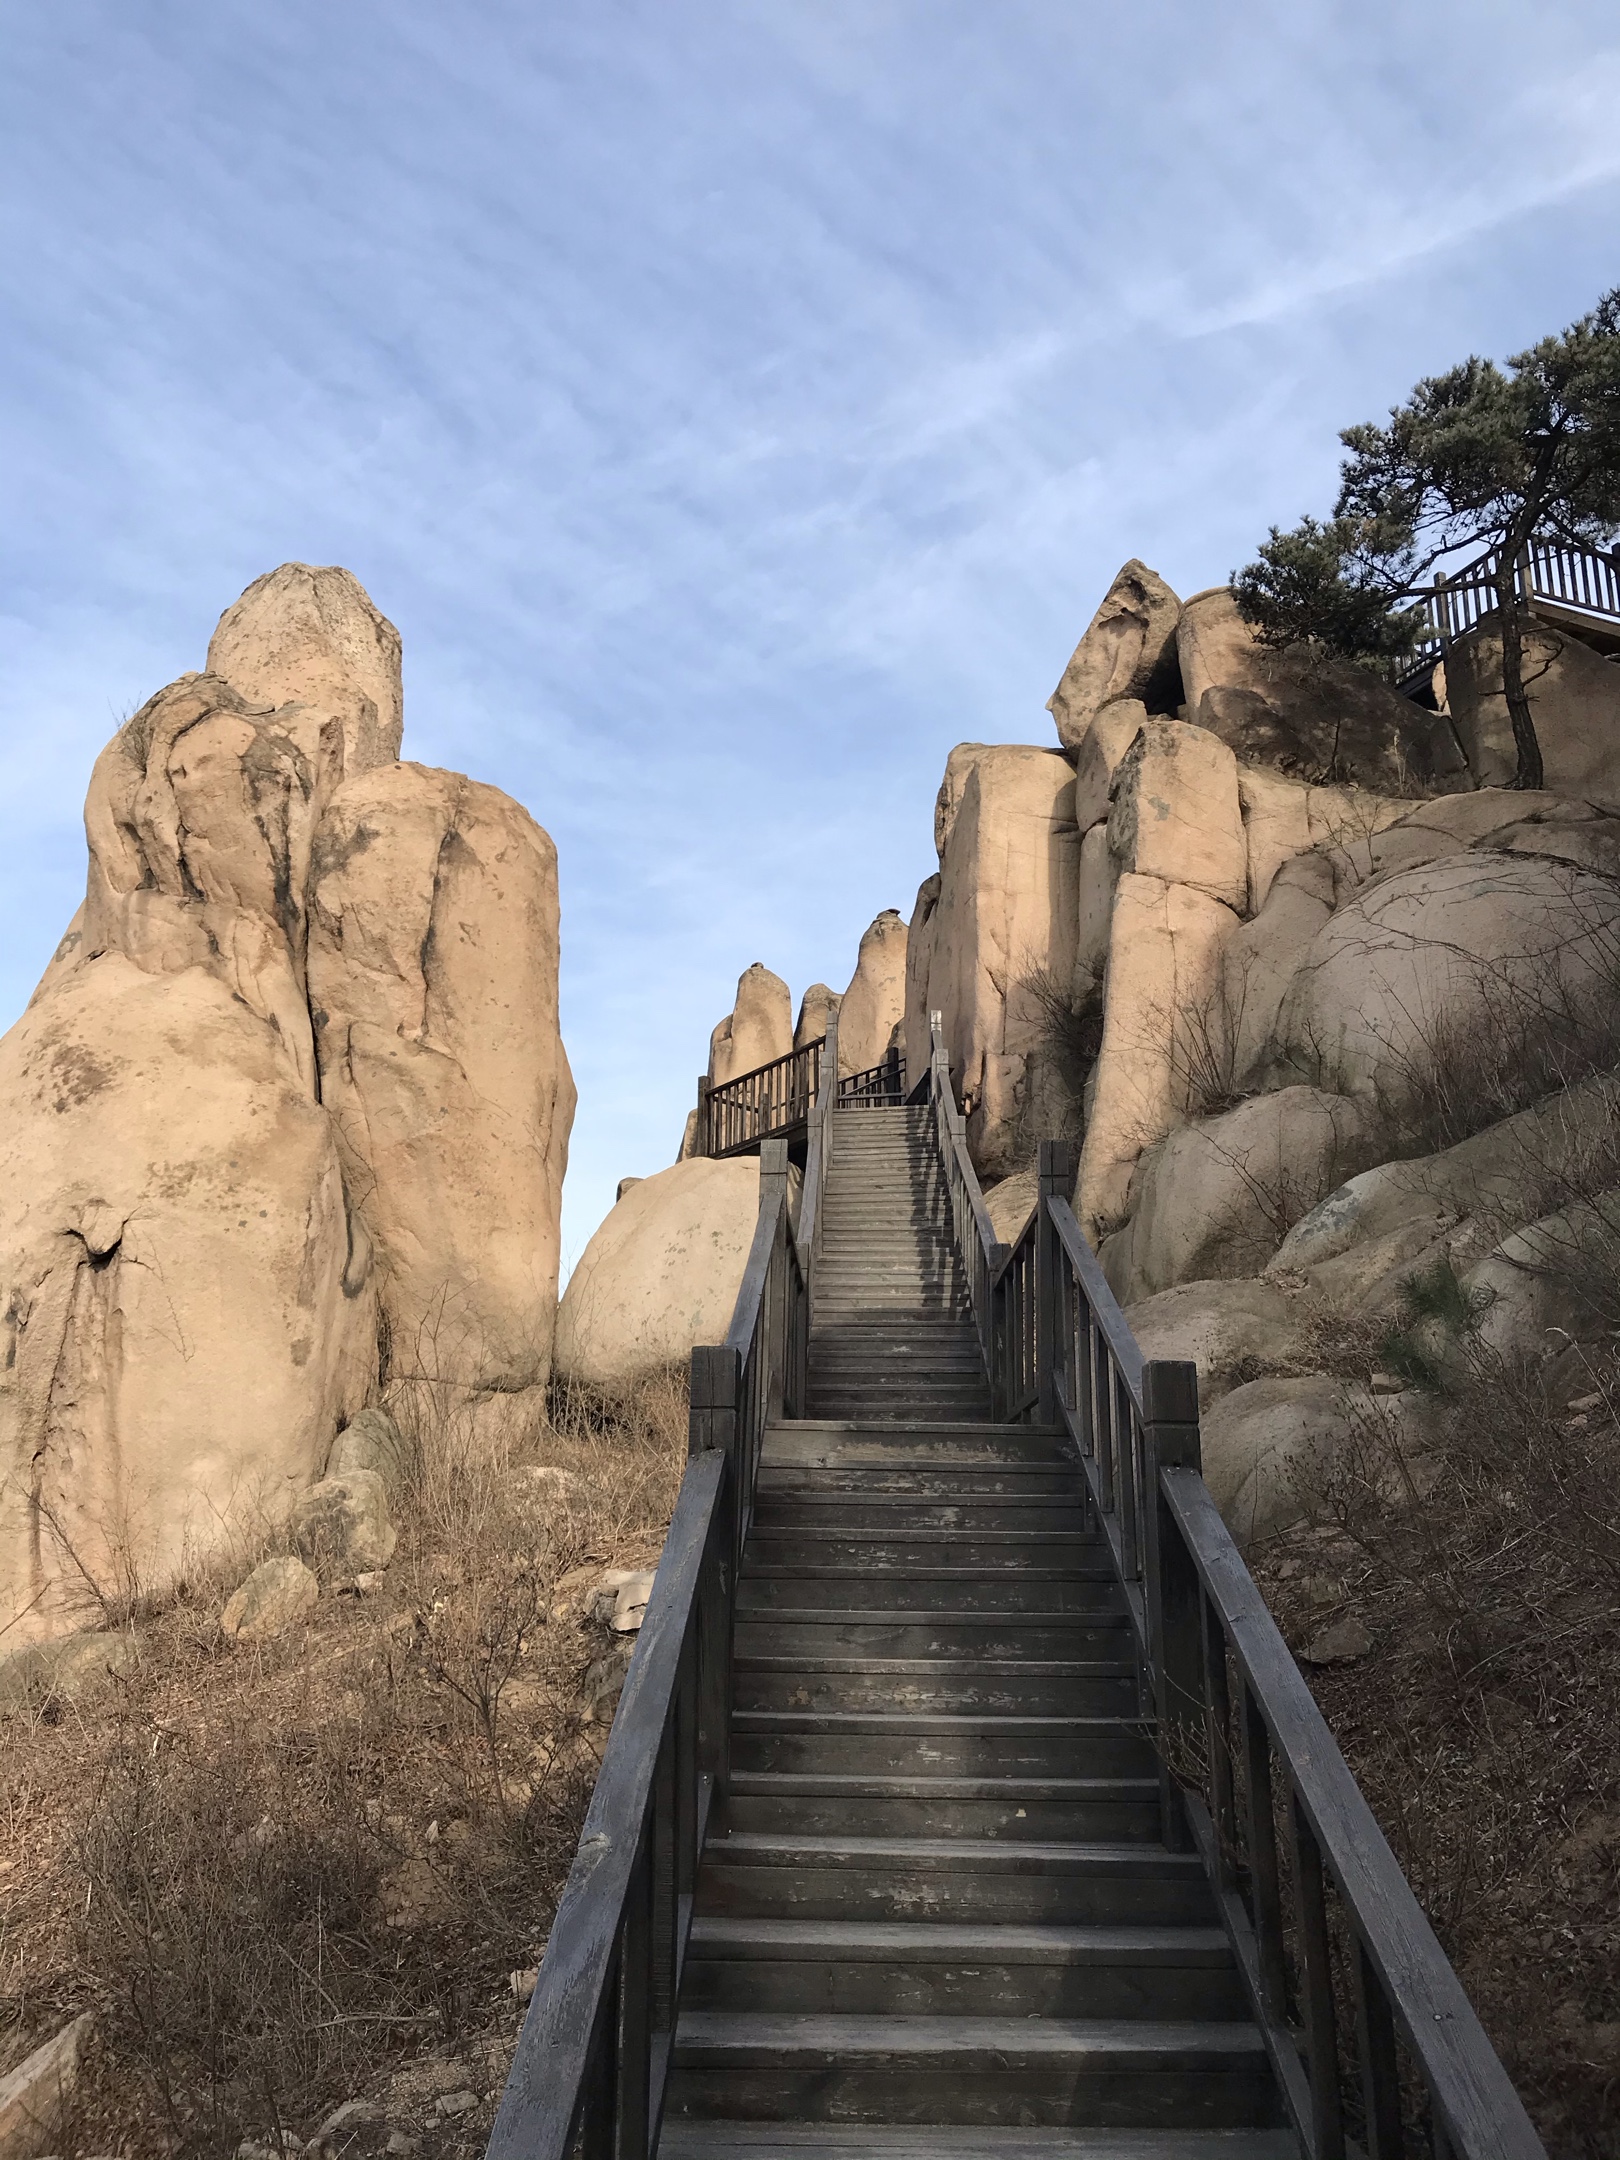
column 1006, row 910
column 433, row 977
column 1574, row 698
column 1319, row 722
column 187, row 1270
column 1128, row 651
column 757, row 1030
column 660, row 1274
column 874, row 1005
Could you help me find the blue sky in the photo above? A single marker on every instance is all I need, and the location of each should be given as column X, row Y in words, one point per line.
column 735, row 403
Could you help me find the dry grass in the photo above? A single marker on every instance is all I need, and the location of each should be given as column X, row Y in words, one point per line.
column 291, row 1873
column 1484, row 1723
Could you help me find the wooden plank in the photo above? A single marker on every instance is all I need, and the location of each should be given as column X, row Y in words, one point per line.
column 1111, row 1322
column 1478, row 2109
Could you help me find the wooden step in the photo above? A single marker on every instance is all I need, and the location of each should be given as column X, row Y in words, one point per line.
column 819, row 1633
column 971, row 2069
column 824, row 1442
column 1004, row 1687
column 1062, row 1810
column 876, row 1510
column 1079, row 1589
column 922, row 1968
column 855, row 1743
column 697, row 2138
column 900, row 1545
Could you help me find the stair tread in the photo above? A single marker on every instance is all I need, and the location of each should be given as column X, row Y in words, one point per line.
column 999, row 2040
column 993, row 1855
column 813, row 1784
column 694, row 2139
column 890, row 1941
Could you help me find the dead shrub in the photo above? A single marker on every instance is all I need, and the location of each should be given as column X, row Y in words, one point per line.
column 1484, row 1723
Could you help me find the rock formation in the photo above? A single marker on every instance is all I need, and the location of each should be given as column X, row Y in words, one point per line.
column 660, row 1274
column 291, row 1083
column 874, row 1006
column 757, row 1030
column 1128, row 651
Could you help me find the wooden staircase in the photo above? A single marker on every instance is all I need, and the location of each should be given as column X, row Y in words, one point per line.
column 937, row 1915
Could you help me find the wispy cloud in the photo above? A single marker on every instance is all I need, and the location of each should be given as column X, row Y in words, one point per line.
column 734, row 404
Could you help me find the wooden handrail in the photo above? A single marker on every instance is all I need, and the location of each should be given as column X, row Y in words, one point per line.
column 735, row 1115
column 1581, row 581
column 593, row 2057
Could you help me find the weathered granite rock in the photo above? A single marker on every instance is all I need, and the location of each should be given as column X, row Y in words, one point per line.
column 307, row 636
column 757, row 1030
column 1266, row 1447
column 1175, row 812
column 1098, row 878
column 1164, row 959
column 1258, row 967
column 816, row 1009
column 372, row 1441
column 1098, row 757
column 1283, row 817
column 1574, row 698
column 1006, row 911
column 433, row 977
column 1010, row 1202
column 1215, row 1198
column 36, row 2096
column 188, row 1309
column 874, row 1005
column 1322, row 722
column 342, row 1526
column 276, row 1596
column 660, row 1274
column 919, row 959
column 1458, row 944
column 1226, row 1328
column 1128, row 651
column 68, row 1668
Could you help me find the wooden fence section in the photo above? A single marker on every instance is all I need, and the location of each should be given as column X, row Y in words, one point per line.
column 1573, row 580
column 775, row 1100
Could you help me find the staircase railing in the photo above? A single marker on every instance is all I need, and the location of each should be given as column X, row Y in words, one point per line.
column 1579, row 580
column 592, row 2061
column 735, row 1115
column 1376, row 2047
column 878, row 1087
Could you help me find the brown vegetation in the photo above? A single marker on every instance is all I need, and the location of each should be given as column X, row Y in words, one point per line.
column 1483, row 1723
column 291, row 1874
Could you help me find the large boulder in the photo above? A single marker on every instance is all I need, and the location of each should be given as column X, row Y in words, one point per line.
column 1175, row 813
column 433, row 977
column 874, row 1005
column 1215, row 1198
column 1320, row 721
column 1000, row 932
column 311, row 637
column 1574, row 698
column 1267, row 1447
column 1282, row 818
column 1226, row 1328
column 1128, row 651
column 188, row 1298
column 919, row 959
column 1099, row 757
column 1464, row 947
column 661, row 1273
column 1164, row 960
column 758, row 1029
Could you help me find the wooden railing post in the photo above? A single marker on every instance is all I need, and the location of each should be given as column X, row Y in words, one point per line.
column 712, row 1419
column 1054, row 1181
column 705, row 1139
column 1170, row 1442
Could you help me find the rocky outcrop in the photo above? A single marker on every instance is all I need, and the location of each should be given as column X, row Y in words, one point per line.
column 816, row 1009
column 311, row 637
column 1005, row 913
column 1320, row 721
column 1574, row 698
column 1453, row 947
column 1228, row 1329
column 1175, row 813
column 660, row 1274
column 189, row 1306
column 757, row 1030
column 1216, row 1197
column 873, row 1008
column 1128, row 651
column 208, row 1184
column 433, row 978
